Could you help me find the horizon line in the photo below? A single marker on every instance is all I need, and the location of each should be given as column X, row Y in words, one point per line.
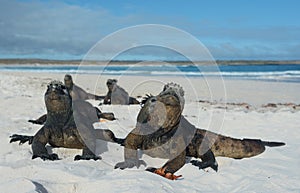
column 78, row 61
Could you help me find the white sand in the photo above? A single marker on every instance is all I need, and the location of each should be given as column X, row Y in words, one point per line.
column 276, row 170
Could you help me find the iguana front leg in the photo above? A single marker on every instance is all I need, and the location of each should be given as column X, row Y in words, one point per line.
column 40, row 139
column 21, row 138
column 132, row 143
column 40, row 121
column 107, row 100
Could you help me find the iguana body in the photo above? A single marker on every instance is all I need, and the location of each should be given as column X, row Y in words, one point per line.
column 77, row 93
column 161, row 131
column 116, row 95
column 61, row 129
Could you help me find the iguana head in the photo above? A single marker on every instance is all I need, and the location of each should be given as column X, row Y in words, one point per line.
column 163, row 110
column 68, row 81
column 57, row 97
column 110, row 83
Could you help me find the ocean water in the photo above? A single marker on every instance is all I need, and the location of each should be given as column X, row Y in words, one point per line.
column 285, row 73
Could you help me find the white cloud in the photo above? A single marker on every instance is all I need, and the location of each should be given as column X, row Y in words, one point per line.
column 54, row 29
column 36, row 27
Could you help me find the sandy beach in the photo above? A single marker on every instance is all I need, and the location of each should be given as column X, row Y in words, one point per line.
column 242, row 111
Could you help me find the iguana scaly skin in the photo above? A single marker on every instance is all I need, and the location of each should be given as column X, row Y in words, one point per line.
column 61, row 129
column 116, row 95
column 161, row 131
column 77, row 93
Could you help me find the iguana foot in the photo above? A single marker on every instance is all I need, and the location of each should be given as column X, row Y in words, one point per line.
column 87, row 157
column 44, row 157
column 203, row 165
column 21, row 138
column 130, row 164
column 162, row 172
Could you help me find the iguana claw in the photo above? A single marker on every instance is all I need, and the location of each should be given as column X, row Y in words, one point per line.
column 162, row 172
column 130, row 164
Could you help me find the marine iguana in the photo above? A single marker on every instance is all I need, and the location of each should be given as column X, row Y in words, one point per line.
column 116, row 95
column 68, row 124
column 77, row 93
column 161, row 131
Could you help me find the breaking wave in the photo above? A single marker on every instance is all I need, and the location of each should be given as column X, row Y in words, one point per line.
column 287, row 72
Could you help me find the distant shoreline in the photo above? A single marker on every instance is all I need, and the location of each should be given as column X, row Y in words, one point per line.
column 127, row 62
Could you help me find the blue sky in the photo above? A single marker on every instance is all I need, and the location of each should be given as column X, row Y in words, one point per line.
column 232, row 29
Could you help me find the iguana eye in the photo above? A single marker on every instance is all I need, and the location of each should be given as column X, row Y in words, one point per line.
column 60, row 87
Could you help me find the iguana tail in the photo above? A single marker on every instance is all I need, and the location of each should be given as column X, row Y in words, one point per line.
column 272, row 144
column 236, row 148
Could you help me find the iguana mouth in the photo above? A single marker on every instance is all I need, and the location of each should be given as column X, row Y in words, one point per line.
column 53, row 96
column 57, row 97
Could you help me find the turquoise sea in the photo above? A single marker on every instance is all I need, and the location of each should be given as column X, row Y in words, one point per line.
column 285, row 72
